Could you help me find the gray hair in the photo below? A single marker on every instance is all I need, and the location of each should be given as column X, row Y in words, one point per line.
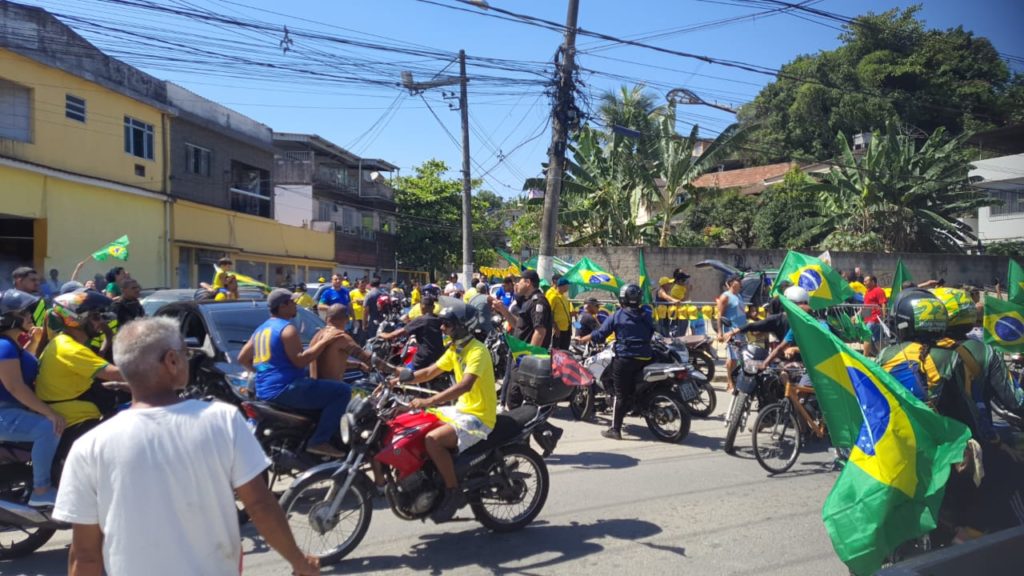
column 482, row 288
column 140, row 344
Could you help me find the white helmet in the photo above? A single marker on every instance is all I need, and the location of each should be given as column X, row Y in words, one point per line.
column 797, row 295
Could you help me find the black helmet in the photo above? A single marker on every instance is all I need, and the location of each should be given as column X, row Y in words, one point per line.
column 630, row 296
column 71, row 309
column 918, row 316
column 13, row 303
column 461, row 317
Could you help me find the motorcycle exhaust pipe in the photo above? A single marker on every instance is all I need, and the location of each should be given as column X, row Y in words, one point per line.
column 21, row 515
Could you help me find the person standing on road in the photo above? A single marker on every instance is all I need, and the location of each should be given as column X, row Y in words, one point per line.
column 153, row 490
column 372, row 313
column 128, row 308
column 633, row 326
column 874, row 301
column 561, row 314
column 731, row 316
column 336, row 294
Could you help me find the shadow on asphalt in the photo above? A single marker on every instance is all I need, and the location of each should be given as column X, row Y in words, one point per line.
column 593, row 460
column 49, row 562
column 536, row 547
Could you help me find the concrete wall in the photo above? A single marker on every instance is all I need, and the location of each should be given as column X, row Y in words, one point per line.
column 705, row 283
column 224, row 148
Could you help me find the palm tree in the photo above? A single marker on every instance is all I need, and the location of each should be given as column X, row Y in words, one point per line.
column 675, row 168
column 898, row 197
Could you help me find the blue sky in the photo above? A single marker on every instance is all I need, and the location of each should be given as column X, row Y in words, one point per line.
column 509, row 120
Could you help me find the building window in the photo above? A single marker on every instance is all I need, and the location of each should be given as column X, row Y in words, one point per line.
column 138, row 138
column 1012, row 201
column 15, row 111
column 250, row 190
column 74, row 107
column 197, row 160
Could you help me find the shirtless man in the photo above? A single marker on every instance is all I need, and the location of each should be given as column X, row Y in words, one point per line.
column 337, row 358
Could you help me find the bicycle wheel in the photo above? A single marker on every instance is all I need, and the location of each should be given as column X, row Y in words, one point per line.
column 776, row 438
column 740, row 404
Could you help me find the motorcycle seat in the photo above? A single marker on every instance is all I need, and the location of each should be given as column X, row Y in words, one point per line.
column 506, row 427
column 286, row 414
column 692, row 339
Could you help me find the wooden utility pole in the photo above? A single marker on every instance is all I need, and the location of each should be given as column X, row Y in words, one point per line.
column 556, row 153
column 467, row 183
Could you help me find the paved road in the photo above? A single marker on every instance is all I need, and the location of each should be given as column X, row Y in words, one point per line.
column 635, row 506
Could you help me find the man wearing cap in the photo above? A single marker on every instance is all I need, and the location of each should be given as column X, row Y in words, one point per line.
column 561, row 314
column 275, row 353
column 588, row 317
column 678, row 292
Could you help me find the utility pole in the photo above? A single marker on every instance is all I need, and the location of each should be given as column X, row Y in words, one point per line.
column 556, row 153
column 467, row 199
column 467, row 184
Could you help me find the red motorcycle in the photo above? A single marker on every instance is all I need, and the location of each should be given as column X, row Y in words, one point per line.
column 329, row 507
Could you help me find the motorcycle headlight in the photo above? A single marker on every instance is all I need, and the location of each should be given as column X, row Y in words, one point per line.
column 348, row 423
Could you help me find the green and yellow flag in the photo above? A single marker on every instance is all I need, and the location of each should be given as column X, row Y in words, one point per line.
column 823, row 283
column 519, row 348
column 645, row 281
column 1004, row 325
column 1015, row 283
column 898, row 278
column 589, row 276
column 116, row 249
column 509, row 258
column 901, row 451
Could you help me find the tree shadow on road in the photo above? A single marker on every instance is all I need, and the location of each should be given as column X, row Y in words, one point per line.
column 537, row 547
column 593, row 460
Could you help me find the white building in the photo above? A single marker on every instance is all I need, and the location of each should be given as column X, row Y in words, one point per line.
column 1002, row 178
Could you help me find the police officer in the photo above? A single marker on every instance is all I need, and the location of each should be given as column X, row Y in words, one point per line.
column 633, row 326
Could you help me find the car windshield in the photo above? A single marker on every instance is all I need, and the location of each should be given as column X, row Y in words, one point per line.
column 235, row 325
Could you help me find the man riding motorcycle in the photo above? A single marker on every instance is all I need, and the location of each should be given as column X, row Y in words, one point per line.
column 475, row 411
column 787, row 346
column 23, row 416
column 274, row 352
column 68, row 367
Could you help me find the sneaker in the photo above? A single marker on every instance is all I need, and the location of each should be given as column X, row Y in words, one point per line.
column 45, row 500
column 612, row 434
column 325, row 449
column 453, row 500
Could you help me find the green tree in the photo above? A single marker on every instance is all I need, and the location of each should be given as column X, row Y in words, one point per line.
column 782, row 213
column 890, row 68
column 898, row 197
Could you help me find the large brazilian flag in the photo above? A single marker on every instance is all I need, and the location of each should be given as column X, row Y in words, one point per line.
column 1004, row 325
column 891, row 489
column 824, row 284
column 1015, row 283
column 589, row 276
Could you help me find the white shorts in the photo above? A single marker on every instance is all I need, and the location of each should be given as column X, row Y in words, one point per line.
column 468, row 428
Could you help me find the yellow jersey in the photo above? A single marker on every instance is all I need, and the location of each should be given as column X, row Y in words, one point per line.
column 559, row 309
column 66, row 371
column 357, row 311
column 482, row 399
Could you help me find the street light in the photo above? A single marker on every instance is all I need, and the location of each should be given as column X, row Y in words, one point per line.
column 685, row 96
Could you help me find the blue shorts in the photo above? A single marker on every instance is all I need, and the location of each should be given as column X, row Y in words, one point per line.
column 876, row 331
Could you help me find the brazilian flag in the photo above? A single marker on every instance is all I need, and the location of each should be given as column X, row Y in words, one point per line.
column 116, row 249
column 1004, row 325
column 645, row 281
column 589, row 276
column 519, row 348
column 898, row 278
column 823, row 283
column 1015, row 283
column 892, row 487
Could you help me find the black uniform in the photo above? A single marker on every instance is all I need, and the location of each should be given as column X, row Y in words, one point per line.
column 534, row 312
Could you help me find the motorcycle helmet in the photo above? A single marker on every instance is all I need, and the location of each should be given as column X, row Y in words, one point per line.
column 14, row 304
column 917, row 315
column 960, row 310
column 431, row 289
column 630, row 296
column 460, row 317
column 72, row 310
column 797, row 295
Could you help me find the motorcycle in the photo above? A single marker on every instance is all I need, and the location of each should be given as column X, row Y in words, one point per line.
column 695, row 390
column 329, row 507
column 663, row 393
column 701, row 352
column 752, row 385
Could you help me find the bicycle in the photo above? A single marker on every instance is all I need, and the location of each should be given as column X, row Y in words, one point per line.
column 781, row 428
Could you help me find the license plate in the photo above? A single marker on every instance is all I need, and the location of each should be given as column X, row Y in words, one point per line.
column 688, row 390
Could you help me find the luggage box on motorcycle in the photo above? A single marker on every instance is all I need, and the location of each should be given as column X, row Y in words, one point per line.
column 534, row 378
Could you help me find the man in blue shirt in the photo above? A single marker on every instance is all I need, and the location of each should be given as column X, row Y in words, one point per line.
column 507, row 291
column 336, row 294
column 275, row 353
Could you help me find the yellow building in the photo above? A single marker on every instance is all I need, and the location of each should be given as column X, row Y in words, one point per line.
column 82, row 157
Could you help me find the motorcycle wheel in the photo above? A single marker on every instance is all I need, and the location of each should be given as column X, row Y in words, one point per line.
column 582, row 403
column 776, row 438
column 518, row 493
column 739, row 405
column 330, row 539
column 667, row 418
column 18, row 541
column 704, row 363
column 704, row 404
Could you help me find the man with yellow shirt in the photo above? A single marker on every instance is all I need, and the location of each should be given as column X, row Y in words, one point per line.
column 357, row 311
column 662, row 311
column 679, row 292
column 561, row 313
column 475, row 411
column 68, row 366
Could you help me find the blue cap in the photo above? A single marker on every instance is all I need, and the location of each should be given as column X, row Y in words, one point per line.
column 562, row 282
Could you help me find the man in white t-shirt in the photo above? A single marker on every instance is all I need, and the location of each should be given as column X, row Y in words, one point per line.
column 152, row 491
